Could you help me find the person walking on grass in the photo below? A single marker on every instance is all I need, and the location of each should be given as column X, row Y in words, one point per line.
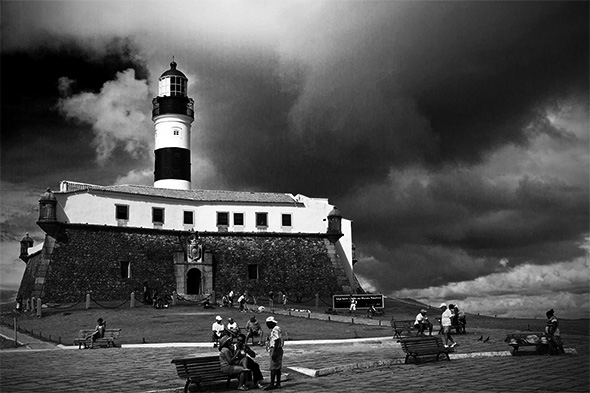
column 445, row 320
column 275, row 349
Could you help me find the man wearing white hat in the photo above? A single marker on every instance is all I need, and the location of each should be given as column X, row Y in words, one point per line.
column 217, row 330
column 423, row 323
column 445, row 321
column 275, row 343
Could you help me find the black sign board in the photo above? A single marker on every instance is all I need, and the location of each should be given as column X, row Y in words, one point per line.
column 362, row 301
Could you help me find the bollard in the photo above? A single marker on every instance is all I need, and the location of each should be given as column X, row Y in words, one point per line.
column 352, row 320
column 132, row 300
column 39, row 307
column 213, row 300
column 329, row 318
column 174, row 294
column 87, row 301
column 15, row 337
column 317, row 300
column 308, row 314
column 33, row 303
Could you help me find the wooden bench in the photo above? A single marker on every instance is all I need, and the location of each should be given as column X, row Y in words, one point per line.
column 403, row 326
column 543, row 343
column 424, row 346
column 110, row 335
column 202, row 369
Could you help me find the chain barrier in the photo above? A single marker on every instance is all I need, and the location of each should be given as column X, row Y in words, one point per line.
column 63, row 308
column 110, row 308
column 326, row 303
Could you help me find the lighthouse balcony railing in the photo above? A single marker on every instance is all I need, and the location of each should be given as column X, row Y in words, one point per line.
column 173, row 105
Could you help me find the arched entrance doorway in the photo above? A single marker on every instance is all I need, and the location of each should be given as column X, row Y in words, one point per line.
column 193, row 282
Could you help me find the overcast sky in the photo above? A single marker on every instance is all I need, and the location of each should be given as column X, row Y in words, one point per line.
column 454, row 134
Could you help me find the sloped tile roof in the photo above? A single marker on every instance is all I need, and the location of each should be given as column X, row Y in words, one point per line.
column 190, row 195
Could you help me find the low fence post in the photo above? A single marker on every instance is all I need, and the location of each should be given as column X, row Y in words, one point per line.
column 38, row 307
column 15, row 336
column 87, row 301
column 132, row 300
column 174, row 294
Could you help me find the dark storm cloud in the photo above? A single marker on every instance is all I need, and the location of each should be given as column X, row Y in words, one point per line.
column 400, row 84
column 34, row 134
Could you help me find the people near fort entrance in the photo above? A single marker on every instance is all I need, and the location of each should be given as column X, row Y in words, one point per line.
column 271, row 299
column 445, row 320
column 230, row 297
column 217, row 330
column 253, row 329
column 455, row 318
column 553, row 333
column 242, row 302
column 243, row 350
column 232, row 362
column 147, row 298
column 371, row 311
column 101, row 326
column 283, row 298
column 422, row 323
column 275, row 349
column 232, row 327
column 352, row 304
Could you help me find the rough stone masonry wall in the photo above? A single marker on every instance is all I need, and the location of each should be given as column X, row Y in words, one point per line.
column 88, row 259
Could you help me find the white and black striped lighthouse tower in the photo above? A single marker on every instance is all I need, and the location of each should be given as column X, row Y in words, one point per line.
column 172, row 114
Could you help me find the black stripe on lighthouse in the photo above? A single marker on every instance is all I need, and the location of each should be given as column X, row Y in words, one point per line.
column 173, row 163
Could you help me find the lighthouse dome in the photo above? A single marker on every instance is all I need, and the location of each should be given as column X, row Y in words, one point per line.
column 172, row 71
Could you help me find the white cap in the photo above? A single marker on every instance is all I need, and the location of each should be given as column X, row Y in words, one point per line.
column 218, row 318
column 271, row 319
column 442, row 305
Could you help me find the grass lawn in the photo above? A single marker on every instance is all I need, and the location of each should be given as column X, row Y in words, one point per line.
column 190, row 322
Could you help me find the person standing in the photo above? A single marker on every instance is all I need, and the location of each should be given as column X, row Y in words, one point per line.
column 352, row 304
column 275, row 349
column 446, row 323
column 552, row 331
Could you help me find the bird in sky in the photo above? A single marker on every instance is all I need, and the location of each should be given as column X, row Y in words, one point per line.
column 487, row 339
column 480, row 338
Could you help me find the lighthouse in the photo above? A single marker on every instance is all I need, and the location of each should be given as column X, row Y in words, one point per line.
column 172, row 114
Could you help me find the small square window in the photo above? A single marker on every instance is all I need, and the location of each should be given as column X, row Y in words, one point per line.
column 122, row 212
column 222, row 218
column 189, row 218
column 253, row 272
column 157, row 215
column 286, row 220
column 239, row 219
column 261, row 219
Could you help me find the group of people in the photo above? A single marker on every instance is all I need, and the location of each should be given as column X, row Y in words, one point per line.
column 450, row 318
column 232, row 329
column 237, row 358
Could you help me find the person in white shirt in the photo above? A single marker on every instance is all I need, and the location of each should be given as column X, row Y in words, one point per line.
column 445, row 321
column 217, row 330
column 422, row 323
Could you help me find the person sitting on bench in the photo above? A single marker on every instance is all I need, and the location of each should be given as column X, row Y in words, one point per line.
column 422, row 323
column 101, row 325
column 232, row 362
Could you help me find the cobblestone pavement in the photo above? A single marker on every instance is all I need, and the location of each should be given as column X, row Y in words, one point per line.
column 375, row 365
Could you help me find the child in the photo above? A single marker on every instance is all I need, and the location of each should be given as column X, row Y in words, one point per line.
column 275, row 344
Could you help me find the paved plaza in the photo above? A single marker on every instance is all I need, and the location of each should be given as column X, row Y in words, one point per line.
column 368, row 365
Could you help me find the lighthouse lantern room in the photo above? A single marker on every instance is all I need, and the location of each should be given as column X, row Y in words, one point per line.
column 172, row 114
